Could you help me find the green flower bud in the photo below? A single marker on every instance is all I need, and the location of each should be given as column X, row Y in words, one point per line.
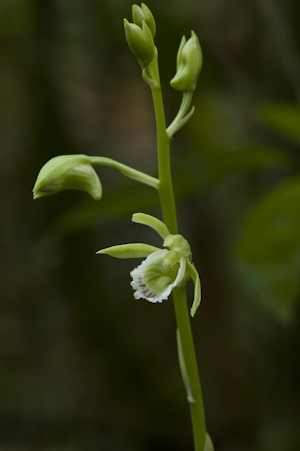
column 189, row 64
column 140, row 14
column 67, row 172
column 140, row 41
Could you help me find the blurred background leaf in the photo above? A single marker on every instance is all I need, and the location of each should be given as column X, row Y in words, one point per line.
column 284, row 119
column 270, row 246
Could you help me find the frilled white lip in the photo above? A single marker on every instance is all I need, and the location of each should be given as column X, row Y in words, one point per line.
column 138, row 282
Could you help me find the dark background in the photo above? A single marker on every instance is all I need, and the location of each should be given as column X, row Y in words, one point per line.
column 83, row 365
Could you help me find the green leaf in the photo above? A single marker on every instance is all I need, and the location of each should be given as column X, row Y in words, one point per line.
column 133, row 250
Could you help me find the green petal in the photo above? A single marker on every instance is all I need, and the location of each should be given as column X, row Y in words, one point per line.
column 151, row 221
column 133, row 250
column 197, row 291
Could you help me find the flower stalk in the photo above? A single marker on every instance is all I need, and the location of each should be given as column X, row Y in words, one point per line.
column 167, row 201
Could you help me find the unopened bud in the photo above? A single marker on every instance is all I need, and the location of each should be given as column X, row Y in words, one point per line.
column 140, row 41
column 189, row 64
column 143, row 13
column 67, row 172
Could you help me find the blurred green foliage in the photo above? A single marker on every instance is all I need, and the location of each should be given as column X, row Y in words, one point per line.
column 84, row 365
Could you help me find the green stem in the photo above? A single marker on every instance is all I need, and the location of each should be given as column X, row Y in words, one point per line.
column 126, row 170
column 167, row 200
column 179, row 121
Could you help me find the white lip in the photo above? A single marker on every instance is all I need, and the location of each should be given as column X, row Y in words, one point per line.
column 139, row 286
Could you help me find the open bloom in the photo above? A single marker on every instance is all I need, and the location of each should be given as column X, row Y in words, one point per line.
column 163, row 269
column 154, row 279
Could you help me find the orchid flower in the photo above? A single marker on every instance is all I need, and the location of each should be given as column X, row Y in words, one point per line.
column 163, row 269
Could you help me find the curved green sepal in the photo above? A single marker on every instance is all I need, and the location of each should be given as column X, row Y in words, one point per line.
column 151, row 221
column 133, row 250
column 208, row 446
column 178, row 244
column 197, row 291
column 67, row 172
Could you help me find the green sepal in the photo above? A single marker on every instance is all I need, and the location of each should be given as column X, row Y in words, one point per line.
column 151, row 221
column 133, row 250
column 67, row 172
column 197, row 290
column 178, row 244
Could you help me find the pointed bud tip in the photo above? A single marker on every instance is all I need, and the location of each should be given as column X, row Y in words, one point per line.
column 140, row 13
